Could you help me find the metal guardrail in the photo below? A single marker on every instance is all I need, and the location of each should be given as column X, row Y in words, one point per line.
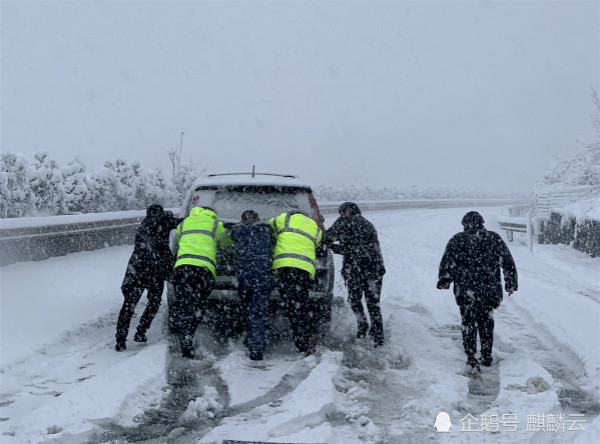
column 43, row 242
column 331, row 207
column 26, row 240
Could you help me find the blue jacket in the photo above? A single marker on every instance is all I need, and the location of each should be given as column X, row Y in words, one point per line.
column 254, row 243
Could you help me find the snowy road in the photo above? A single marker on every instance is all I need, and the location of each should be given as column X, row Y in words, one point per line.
column 61, row 381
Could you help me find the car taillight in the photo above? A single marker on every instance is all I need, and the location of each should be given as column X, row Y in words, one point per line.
column 315, row 209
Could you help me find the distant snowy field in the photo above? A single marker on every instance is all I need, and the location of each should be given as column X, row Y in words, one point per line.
column 62, row 382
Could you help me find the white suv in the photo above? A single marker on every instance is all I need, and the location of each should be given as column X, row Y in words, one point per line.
column 229, row 195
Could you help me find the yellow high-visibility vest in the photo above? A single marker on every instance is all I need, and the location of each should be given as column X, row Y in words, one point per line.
column 298, row 237
column 197, row 238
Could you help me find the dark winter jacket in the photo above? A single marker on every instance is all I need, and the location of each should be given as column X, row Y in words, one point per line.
column 151, row 259
column 254, row 243
column 472, row 261
column 358, row 243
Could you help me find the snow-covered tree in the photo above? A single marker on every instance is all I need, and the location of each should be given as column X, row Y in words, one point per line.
column 76, row 186
column 138, row 182
column 128, row 175
column 584, row 167
column 102, row 194
column 116, row 182
column 117, row 186
column 154, row 188
column 16, row 198
column 184, row 178
column 46, row 183
column 98, row 200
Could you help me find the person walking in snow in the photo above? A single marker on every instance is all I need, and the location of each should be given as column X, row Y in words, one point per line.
column 363, row 267
column 196, row 238
column 294, row 261
column 149, row 266
column 472, row 261
column 254, row 242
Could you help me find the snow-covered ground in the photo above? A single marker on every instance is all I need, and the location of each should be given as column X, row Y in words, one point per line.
column 62, row 382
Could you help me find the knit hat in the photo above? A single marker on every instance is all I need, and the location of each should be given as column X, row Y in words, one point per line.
column 350, row 207
column 153, row 210
column 249, row 215
column 473, row 220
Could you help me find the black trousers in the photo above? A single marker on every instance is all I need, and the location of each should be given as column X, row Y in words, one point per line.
column 192, row 285
column 132, row 289
column 294, row 286
column 359, row 286
column 477, row 318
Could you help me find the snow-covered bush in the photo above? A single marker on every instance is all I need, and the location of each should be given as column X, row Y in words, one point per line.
column 76, row 186
column 47, row 185
column 583, row 168
column 44, row 188
column 16, row 197
column 155, row 188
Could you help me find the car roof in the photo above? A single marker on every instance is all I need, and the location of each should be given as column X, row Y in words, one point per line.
column 250, row 179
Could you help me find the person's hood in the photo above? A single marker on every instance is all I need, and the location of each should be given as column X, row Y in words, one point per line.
column 472, row 220
column 198, row 211
column 302, row 213
column 350, row 207
column 154, row 210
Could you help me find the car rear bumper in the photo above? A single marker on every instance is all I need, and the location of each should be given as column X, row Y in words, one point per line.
column 230, row 295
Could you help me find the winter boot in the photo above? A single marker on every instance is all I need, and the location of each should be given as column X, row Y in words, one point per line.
column 140, row 337
column 473, row 363
column 363, row 327
column 120, row 346
column 486, row 360
column 188, row 353
column 187, row 347
column 378, row 342
column 312, row 346
column 256, row 356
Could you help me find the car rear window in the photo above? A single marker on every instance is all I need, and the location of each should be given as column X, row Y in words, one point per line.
column 230, row 201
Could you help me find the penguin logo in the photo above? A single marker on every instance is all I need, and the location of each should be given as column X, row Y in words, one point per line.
column 442, row 422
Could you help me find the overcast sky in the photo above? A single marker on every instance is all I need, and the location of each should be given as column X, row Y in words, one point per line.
column 458, row 94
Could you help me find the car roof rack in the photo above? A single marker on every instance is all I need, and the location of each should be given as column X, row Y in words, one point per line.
column 253, row 173
column 291, row 176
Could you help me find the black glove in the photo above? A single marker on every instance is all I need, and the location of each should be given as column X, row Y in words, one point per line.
column 336, row 248
column 443, row 285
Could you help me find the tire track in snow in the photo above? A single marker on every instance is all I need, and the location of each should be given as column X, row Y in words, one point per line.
column 190, row 380
column 562, row 363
